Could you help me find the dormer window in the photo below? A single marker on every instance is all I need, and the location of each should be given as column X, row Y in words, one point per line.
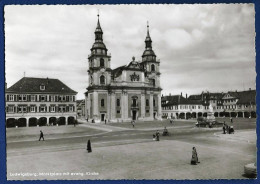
column 42, row 87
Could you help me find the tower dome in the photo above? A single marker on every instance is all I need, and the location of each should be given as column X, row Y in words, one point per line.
column 99, row 44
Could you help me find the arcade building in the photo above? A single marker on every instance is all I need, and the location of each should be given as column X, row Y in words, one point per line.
column 39, row 102
column 129, row 92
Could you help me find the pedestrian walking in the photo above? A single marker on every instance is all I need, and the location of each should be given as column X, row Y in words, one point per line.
column 105, row 121
column 224, row 129
column 89, row 146
column 157, row 134
column 228, row 129
column 231, row 120
column 133, row 123
column 74, row 123
column 154, row 137
column 41, row 136
column 194, row 157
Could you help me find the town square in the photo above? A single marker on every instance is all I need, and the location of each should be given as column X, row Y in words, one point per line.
column 175, row 99
column 120, row 152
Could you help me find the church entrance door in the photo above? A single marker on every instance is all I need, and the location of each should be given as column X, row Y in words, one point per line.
column 134, row 115
column 102, row 117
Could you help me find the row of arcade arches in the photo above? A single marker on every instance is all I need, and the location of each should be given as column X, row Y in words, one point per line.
column 190, row 115
column 42, row 121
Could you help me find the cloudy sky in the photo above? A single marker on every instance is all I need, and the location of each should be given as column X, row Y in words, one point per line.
column 200, row 47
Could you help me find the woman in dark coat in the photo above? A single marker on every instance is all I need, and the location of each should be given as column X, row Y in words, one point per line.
column 89, row 147
column 194, row 158
column 157, row 134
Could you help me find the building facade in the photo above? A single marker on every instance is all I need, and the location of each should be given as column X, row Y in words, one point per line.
column 39, row 101
column 231, row 104
column 129, row 92
column 81, row 108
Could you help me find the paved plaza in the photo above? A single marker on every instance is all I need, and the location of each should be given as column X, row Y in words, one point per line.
column 123, row 152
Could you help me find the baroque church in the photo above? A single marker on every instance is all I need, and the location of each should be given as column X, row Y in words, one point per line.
column 129, row 92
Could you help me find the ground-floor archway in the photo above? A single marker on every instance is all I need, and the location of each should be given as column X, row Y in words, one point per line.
column 253, row 114
column 33, row 122
column 205, row 114
column 21, row 122
column 62, row 121
column 182, row 115
column 240, row 114
column 193, row 115
column 226, row 114
column 200, row 114
column 216, row 114
column 188, row 115
column 233, row 114
column 42, row 121
column 52, row 120
column 10, row 122
column 71, row 120
column 246, row 114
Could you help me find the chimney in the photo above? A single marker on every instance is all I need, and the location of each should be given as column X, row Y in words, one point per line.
column 170, row 94
column 186, row 95
column 181, row 93
column 249, row 89
column 47, row 80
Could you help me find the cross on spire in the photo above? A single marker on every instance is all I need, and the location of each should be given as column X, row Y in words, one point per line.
column 148, row 34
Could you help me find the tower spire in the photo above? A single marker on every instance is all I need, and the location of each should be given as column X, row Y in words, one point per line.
column 148, row 40
column 148, row 46
column 98, row 31
column 98, row 23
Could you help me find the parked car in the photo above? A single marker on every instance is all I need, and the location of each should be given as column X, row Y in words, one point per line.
column 250, row 170
column 203, row 122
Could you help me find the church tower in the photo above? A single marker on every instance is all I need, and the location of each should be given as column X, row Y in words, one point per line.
column 99, row 61
column 99, row 74
column 151, row 65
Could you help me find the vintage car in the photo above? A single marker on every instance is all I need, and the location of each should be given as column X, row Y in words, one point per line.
column 203, row 122
column 250, row 170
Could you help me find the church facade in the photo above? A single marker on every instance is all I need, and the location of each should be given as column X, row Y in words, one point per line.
column 129, row 92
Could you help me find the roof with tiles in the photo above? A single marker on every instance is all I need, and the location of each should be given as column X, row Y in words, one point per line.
column 246, row 97
column 32, row 85
column 179, row 100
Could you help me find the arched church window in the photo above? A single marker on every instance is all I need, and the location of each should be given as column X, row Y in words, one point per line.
column 102, row 63
column 153, row 81
column 152, row 68
column 134, row 102
column 102, row 79
column 102, row 102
